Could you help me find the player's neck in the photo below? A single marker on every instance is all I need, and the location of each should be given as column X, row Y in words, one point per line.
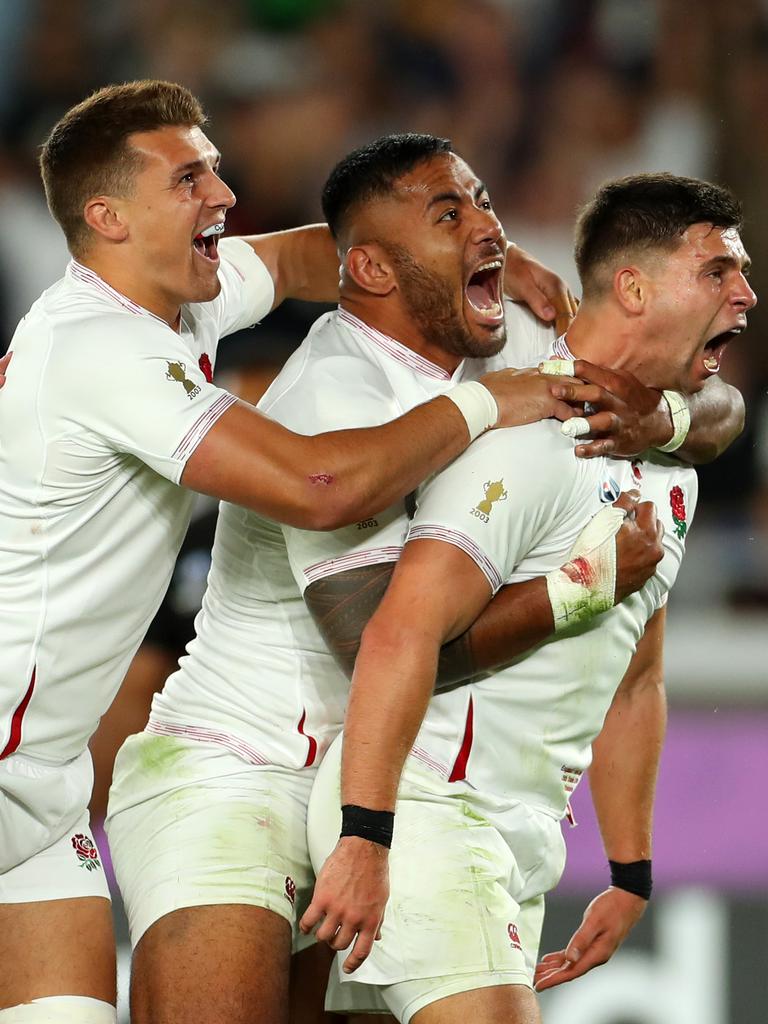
column 395, row 322
column 123, row 279
column 605, row 337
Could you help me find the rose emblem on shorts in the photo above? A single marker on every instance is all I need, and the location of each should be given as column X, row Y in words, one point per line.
column 679, row 514
column 514, row 936
column 205, row 365
column 290, row 889
column 86, row 852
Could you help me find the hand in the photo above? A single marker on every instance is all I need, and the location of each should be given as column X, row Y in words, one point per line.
column 606, row 923
column 630, row 417
column 638, row 544
column 548, row 296
column 525, row 396
column 350, row 895
column 4, row 367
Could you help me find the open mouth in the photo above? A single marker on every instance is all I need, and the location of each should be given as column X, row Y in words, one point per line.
column 715, row 348
column 483, row 291
column 206, row 244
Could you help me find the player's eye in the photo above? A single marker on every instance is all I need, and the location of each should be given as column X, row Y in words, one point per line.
column 451, row 214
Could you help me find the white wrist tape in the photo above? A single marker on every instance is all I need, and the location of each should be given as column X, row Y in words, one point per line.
column 681, row 420
column 586, row 585
column 477, row 405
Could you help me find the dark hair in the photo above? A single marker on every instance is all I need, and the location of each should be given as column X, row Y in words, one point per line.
column 87, row 152
column 644, row 212
column 372, row 170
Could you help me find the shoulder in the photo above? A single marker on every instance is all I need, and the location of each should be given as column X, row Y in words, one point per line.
column 330, row 382
column 528, row 340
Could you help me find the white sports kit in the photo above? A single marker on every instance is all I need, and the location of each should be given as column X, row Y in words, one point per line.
column 103, row 408
column 259, row 696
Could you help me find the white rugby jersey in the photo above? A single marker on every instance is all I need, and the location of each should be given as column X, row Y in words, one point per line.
column 258, row 678
column 515, row 502
column 103, row 406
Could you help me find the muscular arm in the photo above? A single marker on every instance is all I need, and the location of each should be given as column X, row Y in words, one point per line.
column 626, row 753
column 330, row 480
column 518, row 617
column 303, row 263
column 623, row 783
column 717, row 419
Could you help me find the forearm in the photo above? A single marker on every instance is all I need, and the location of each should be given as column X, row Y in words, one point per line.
column 329, row 480
column 391, row 688
column 717, row 419
column 518, row 618
column 624, row 770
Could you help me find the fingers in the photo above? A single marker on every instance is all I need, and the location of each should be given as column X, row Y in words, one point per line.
column 311, row 916
column 360, row 951
column 579, row 392
column 628, row 500
column 612, row 380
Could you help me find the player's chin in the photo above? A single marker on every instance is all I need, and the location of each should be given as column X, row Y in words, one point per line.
column 206, row 288
column 487, row 339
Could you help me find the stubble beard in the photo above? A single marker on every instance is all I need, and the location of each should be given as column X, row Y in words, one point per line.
column 431, row 303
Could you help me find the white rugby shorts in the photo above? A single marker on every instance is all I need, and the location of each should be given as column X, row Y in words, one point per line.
column 47, row 850
column 467, row 878
column 191, row 824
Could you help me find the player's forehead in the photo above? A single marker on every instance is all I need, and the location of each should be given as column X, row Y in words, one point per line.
column 444, row 174
column 703, row 242
column 172, row 146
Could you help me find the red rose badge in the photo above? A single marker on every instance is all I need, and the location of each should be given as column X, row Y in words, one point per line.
column 86, row 852
column 679, row 515
column 205, row 366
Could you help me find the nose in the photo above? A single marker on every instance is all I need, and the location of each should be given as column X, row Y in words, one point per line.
column 743, row 295
column 486, row 226
column 221, row 195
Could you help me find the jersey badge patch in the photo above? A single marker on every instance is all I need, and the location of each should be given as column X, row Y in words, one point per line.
column 679, row 513
column 178, row 372
column 86, row 852
column 494, row 491
column 290, row 889
column 204, row 362
column 514, row 936
column 608, row 491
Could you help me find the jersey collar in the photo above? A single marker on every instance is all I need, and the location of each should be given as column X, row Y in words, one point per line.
column 397, row 351
column 90, row 277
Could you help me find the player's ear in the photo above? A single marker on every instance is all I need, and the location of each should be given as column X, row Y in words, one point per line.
column 631, row 289
column 104, row 216
column 370, row 268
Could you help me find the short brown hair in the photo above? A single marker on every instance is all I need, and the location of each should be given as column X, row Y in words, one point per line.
column 87, row 152
column 643, row 213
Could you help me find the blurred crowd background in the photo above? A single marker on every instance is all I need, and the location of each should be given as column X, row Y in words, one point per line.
column 545, row 99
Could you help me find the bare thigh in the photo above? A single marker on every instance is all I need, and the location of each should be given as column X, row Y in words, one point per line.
column 502, row 1004
column 219, row 964
column 57, row 947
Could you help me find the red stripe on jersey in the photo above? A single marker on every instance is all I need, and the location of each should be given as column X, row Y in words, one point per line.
column 312, row 752
column 15, row 737
column 460, row 765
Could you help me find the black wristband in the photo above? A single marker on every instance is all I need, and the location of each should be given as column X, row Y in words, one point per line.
column 376, row 826
column 634, row 877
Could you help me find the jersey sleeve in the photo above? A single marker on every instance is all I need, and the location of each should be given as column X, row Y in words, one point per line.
column 145, row 396
column 334, row 393
column 247, row 289
column 500, row 497
column 528, row 340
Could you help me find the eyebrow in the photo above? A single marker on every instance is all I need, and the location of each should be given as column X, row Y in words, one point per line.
column 455, row 197
column 728, row 261
column 195, row 165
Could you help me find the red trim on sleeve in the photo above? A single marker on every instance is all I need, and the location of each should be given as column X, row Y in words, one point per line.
column 312, row 752
column 459, row 771
column 15, row 737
